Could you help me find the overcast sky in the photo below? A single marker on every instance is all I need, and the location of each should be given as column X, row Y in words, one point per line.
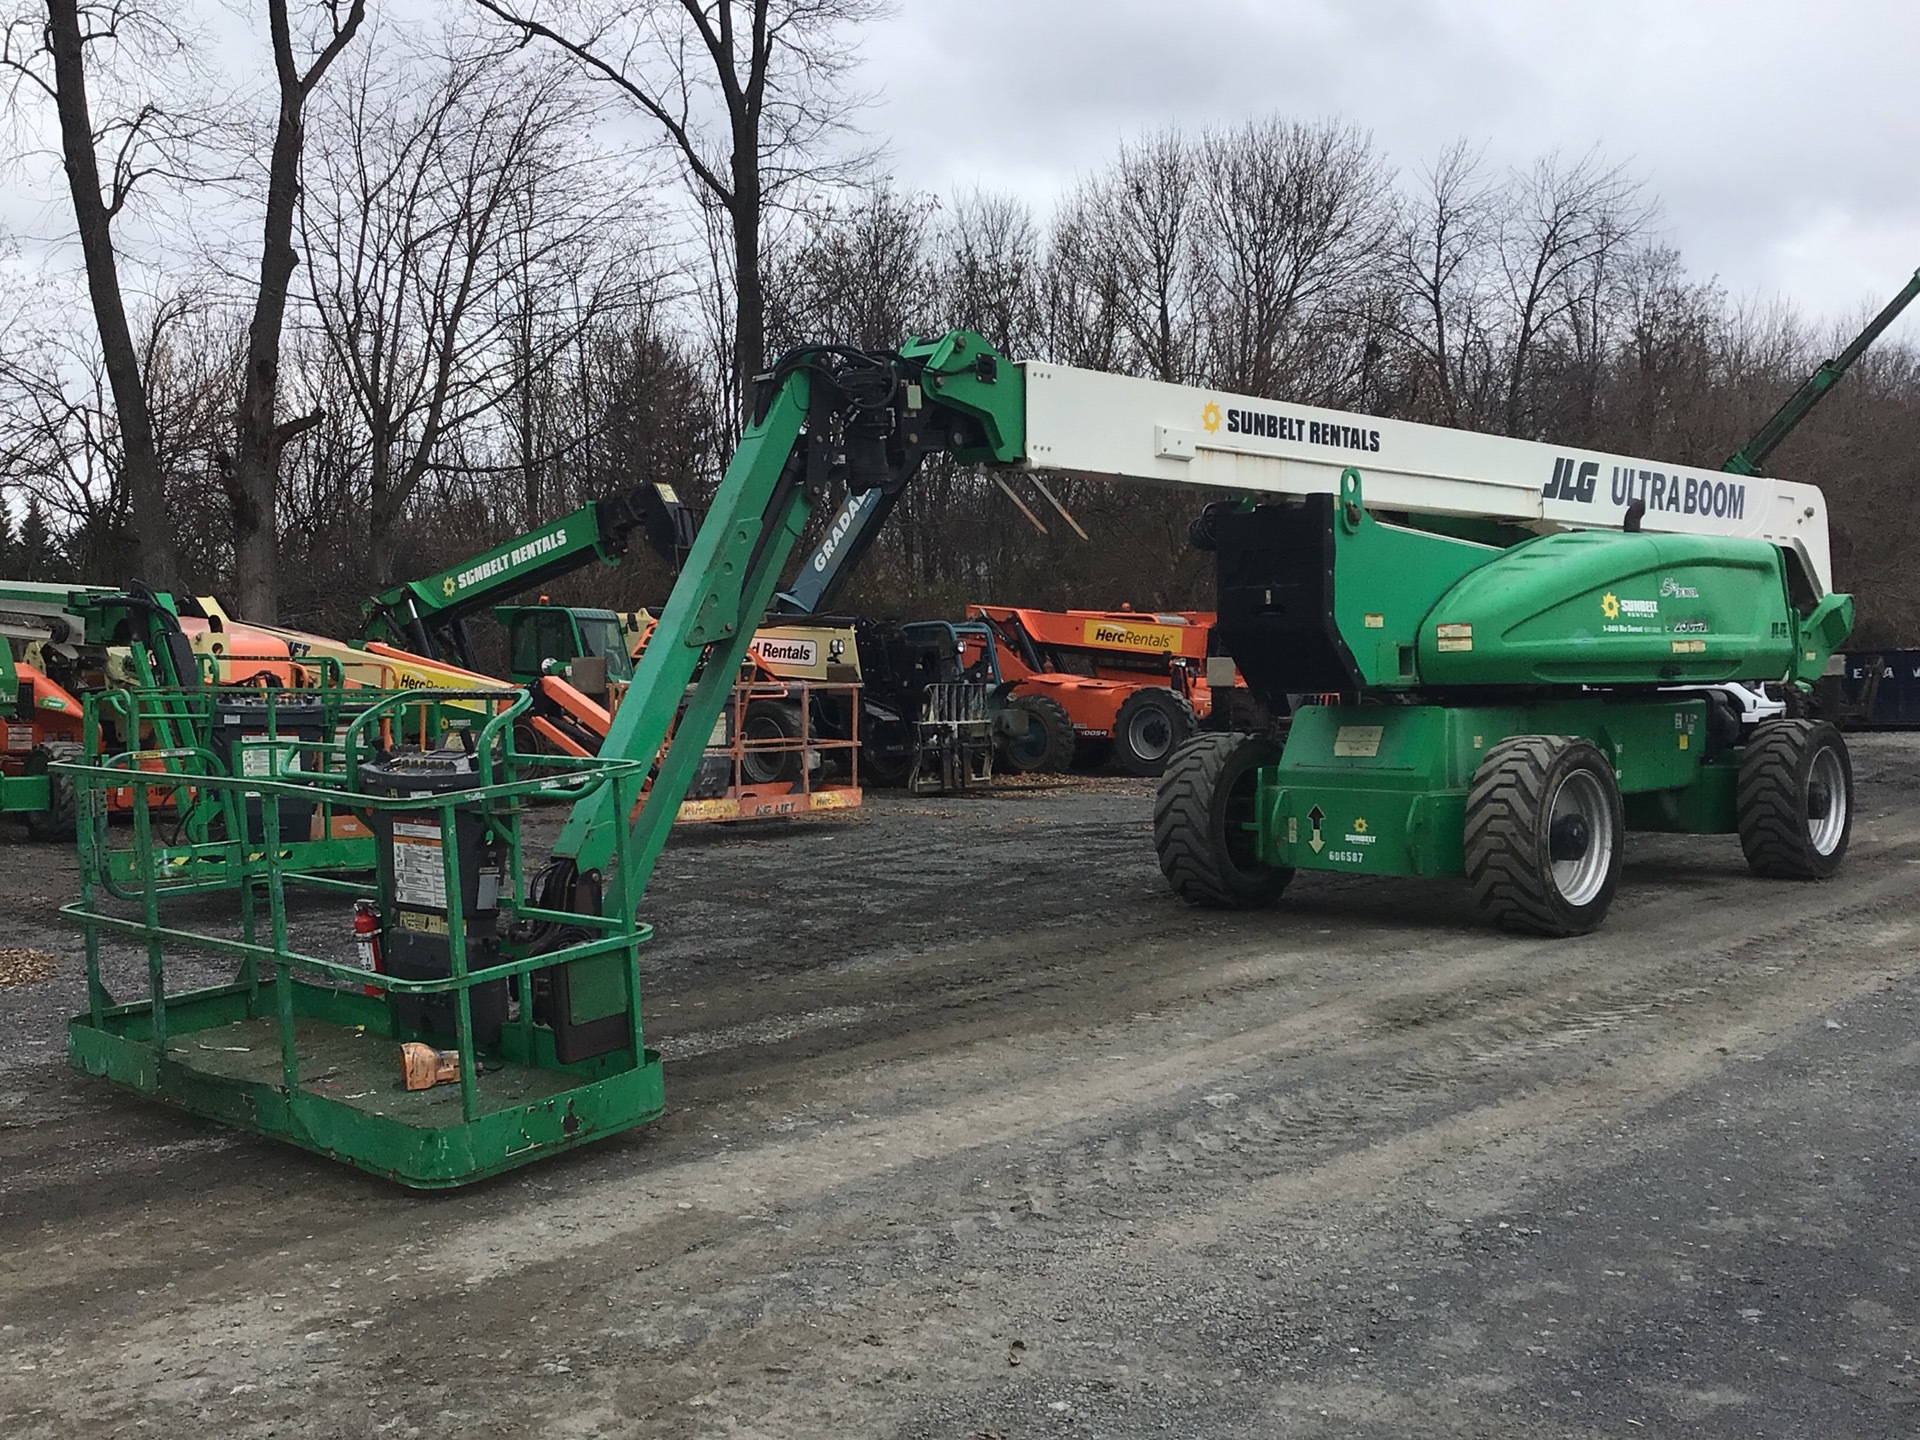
column 1782, row 139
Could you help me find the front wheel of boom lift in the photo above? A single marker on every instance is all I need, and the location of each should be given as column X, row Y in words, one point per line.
column 1545, row 834
column 1205, row 820
column 1794, row 805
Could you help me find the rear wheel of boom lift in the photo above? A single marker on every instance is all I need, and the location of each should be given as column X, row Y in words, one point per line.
column 771, row 722
column 58, row 820
column 1048, row 741
column 1205, row 821
column 1794, row 805
column 1152, row 723
column 1545, row 834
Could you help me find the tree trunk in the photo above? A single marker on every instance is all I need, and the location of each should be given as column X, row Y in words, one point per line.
column 253, row 487
column 158, row 556
column 383, row 515
column 256, row 468
column 750, row 316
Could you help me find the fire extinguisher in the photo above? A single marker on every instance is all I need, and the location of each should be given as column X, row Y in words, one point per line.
column 366, row 935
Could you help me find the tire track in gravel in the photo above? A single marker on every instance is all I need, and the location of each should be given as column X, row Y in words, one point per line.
column 1534, row 1121
column 1470, row 969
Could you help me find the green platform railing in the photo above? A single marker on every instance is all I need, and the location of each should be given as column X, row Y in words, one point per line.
column 305, row 1047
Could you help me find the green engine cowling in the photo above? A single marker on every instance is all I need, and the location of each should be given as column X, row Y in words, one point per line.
column 1596, row 608
column 1322, row 596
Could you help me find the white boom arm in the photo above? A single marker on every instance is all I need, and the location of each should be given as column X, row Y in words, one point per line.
column 1099, row 426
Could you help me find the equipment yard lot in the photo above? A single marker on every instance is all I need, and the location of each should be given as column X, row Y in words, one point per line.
column 975, row 1130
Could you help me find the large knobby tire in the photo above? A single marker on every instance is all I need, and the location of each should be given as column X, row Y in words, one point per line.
column 1151, row 724
column 768, row 721
column 1545, row 834
column 1048, row 741
column 1794, row 804
column 59, row 821
column 1203, row 819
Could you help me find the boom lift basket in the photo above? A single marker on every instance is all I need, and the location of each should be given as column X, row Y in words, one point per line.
column 305, row 1045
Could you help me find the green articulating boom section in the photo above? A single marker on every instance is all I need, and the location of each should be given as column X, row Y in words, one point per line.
column 824, row 416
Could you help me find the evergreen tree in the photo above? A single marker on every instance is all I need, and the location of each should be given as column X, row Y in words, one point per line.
column 38, row 554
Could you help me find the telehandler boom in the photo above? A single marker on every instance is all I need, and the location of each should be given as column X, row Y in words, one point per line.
column 1748, row 459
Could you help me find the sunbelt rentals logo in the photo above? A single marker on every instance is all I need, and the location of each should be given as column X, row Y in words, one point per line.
column 528, row 550
column 1279, row 425
column 1613, row 607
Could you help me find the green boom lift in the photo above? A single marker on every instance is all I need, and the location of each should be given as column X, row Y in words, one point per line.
column 76, row 636
column 1506, row 625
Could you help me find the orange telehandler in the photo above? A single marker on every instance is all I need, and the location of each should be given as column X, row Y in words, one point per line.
column 1132, row 684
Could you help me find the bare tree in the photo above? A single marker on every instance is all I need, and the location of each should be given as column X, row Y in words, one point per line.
column 746, row 93
column 59, row 441
column 259, row 435
column 860, row 273
column 425, row 209
column 1665, row 392
column 1568, row 224
column 1143, row 213
column 1446, row 262
column 192, row 353
column 575, row 259
column 140, row 141
column 62, row 442
column 988, row 271
column 1295, row 223
column 322, row 498
column 1083, row 289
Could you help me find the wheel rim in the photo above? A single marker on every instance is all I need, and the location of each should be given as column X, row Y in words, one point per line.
column 1580, row 837
column 1826, row 801
column 1150, row 734
column 1030, row 748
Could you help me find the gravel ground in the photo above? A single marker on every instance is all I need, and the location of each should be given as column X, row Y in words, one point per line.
column 975, row 1131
